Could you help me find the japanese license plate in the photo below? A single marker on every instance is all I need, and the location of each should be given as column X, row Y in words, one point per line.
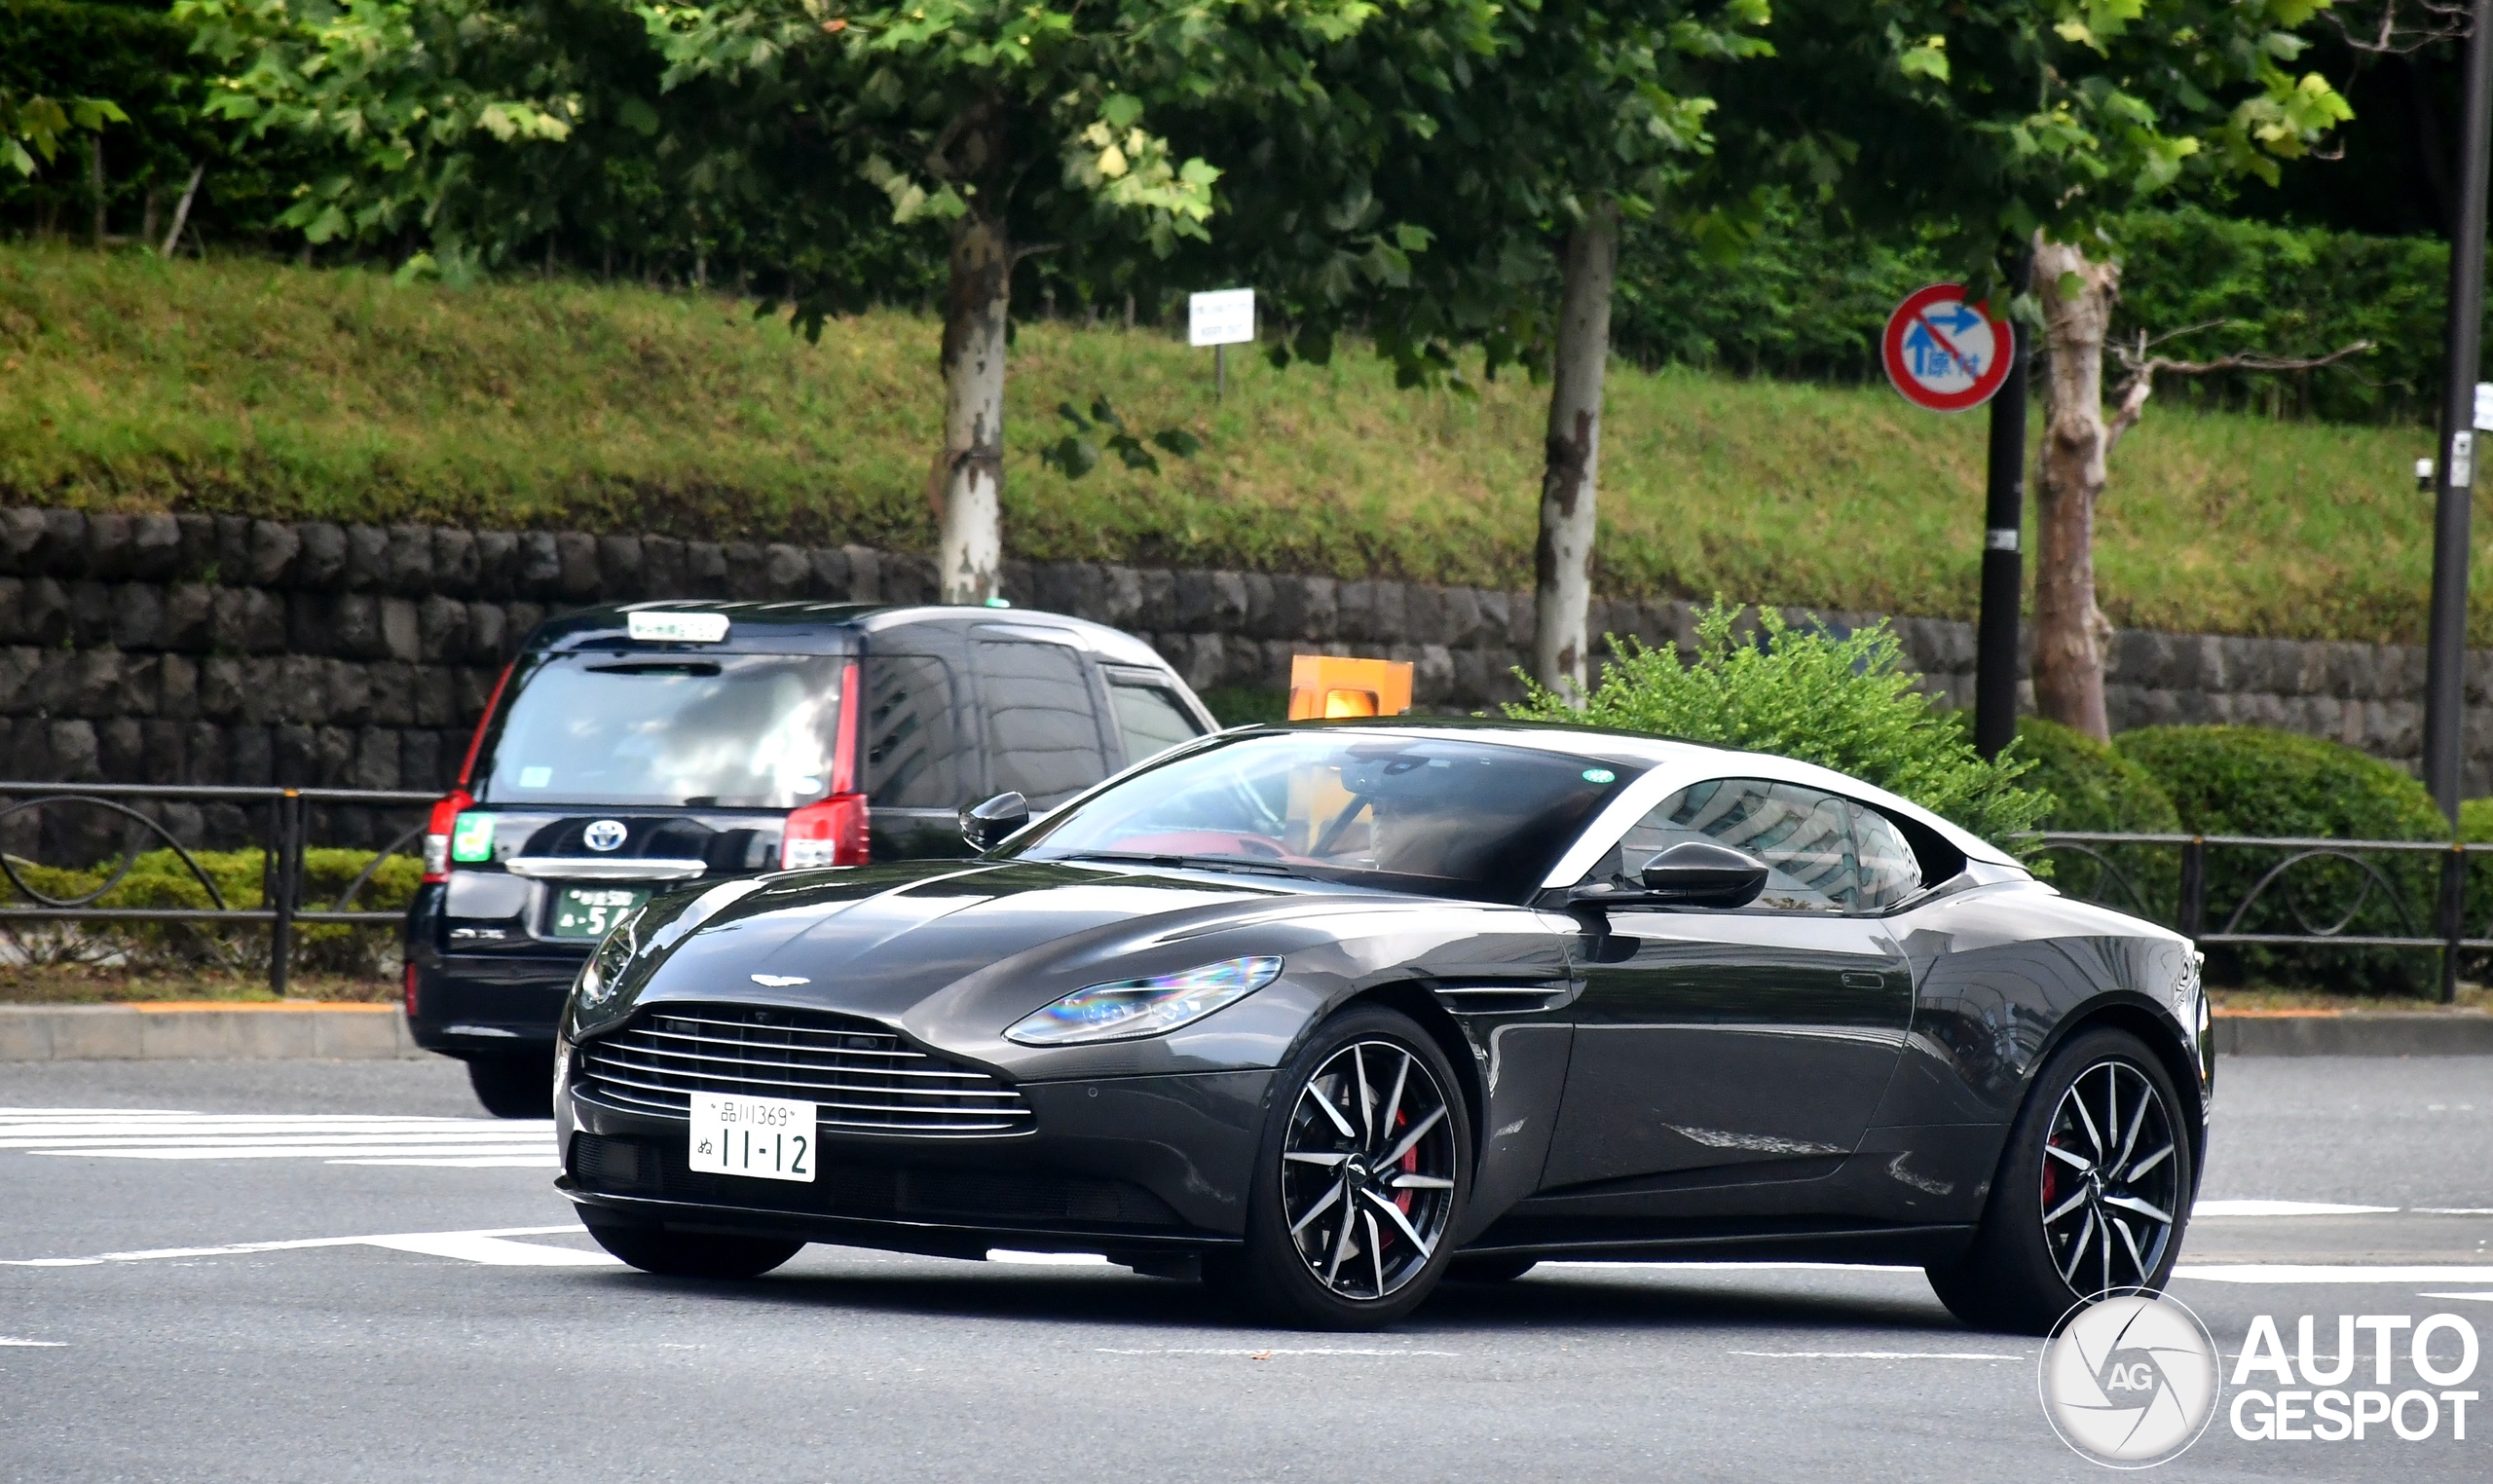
column 768, row 1139
column 587, row 911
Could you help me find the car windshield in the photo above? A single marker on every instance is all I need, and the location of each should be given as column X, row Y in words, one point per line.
column 734, row 731
column 1445, row 816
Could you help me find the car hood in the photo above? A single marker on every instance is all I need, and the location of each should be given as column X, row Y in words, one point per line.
column 954, row 953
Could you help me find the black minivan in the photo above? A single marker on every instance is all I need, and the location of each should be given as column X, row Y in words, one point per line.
column 632, row 748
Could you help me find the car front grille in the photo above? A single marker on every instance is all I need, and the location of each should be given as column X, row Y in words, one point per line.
column 860, row 1077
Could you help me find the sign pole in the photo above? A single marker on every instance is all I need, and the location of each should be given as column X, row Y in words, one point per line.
column 1219, row 372
column 2004, row 563
column 2446, row 659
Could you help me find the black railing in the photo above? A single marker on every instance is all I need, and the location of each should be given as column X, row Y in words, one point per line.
column 2414, row 898
column 277, row 820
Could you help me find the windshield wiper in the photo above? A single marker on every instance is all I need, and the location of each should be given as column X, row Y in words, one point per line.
column 1187, row 862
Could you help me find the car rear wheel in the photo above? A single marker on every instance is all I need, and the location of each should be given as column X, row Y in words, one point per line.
column 2093, row 1192
column 514, row 1086
column 690, row 1254
column 1361, row 1177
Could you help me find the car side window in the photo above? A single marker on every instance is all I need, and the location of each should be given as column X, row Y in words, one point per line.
column 1890, row 869
column 1149, row 718
column 1042, row 738
column 913, row 750
column 1802, row 836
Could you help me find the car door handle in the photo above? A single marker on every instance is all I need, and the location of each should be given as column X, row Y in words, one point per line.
column 1856, row 979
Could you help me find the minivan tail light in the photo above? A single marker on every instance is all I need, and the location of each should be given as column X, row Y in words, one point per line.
column 831, row 833
column 437, row 831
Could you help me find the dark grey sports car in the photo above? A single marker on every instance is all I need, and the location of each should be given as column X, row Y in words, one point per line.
column 1331, row 1012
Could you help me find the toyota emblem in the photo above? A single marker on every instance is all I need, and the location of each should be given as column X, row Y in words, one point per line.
column 605, row 835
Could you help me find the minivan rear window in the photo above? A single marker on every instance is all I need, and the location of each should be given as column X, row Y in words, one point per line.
column 725, row 730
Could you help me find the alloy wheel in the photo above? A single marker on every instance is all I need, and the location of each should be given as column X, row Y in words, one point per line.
column 1368, row 1167
column 2111, row 1180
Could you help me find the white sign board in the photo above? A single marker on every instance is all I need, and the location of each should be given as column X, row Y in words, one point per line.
column 669, row 626
column 1223, row 317
column 2483, row 418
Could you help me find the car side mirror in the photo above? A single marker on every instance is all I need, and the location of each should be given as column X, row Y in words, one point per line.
column 1690, row 874
column 989, row 825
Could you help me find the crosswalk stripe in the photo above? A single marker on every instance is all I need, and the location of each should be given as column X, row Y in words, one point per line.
column 395, row 1240
column 161, row 1134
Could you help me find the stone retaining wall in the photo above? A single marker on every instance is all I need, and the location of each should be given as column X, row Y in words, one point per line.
column 222, row 650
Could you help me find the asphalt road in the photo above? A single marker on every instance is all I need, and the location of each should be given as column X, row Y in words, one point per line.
column 466, row 1329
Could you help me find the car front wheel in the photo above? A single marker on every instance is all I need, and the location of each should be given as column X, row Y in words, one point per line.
column 1362, row 1176
column 690, row 1255
column 2093, row 1192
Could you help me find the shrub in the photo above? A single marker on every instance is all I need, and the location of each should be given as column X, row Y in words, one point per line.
column 1846, row 703
column 158, row 878
column 2095, row 789
column 2252, row 781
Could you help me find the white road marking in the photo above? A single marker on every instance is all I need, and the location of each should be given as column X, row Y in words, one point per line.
column 160, row 1134
column 479, row 1162
column 13, row 1340
column 2487, row 1297
column 1878, row 1355
column 2285, row 1208
column 296, row 1244
column 1268, row 1353
column 1046, row 1259
column 2454, row 1210
column 2315, row 1273
column 493, row 1251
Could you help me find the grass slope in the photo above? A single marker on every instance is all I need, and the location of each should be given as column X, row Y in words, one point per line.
column 235, row 385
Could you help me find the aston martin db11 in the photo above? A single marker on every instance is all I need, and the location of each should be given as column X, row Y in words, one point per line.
column 1331, row 1012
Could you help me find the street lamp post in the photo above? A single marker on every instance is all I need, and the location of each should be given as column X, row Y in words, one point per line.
column 2445, row 668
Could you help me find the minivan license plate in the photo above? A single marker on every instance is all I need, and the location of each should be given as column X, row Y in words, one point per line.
column 587, row 911
column 768, row 1139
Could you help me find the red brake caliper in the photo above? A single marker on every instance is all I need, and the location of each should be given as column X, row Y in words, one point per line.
column 1410, row 1166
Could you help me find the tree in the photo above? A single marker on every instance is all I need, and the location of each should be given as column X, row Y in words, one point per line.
column 2025, row 127
column 32, row 126
column 1452, row 216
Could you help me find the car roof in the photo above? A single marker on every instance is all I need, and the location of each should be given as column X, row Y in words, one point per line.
column 801, row 625
column 1641, row 750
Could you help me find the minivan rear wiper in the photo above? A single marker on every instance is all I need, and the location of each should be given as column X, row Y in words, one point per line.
column 1188, row 861
column 702, row 668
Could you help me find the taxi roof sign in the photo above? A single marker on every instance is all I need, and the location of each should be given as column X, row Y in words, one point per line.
column 669, row 626
column 1324, row 687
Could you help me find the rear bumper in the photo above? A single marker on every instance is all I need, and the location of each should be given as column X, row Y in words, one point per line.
column 473, row 1005
column 1134, row 1164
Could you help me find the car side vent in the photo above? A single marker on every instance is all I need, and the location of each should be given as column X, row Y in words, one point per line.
column 860, row 1077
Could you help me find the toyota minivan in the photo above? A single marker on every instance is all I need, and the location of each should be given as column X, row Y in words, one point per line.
column 634, row 748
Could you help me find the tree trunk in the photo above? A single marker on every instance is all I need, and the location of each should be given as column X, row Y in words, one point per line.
column 2069, row 631
column 970, row 514
column 1570, row 479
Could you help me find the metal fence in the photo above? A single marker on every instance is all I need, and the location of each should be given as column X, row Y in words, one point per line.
column 279, row 821
column 2244, row 892
column 2275, row 893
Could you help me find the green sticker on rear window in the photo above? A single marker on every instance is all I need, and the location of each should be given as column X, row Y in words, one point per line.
column 473, row 837
column 1598, row 775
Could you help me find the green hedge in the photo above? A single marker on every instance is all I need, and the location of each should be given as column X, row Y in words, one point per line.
column 2095, row 789
column 2252, row 781
column 158, row 878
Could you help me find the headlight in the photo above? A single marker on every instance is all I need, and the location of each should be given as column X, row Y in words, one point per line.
column 1144, row 1006
column 604, row 971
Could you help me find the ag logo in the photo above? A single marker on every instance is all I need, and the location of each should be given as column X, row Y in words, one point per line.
column 604, row 835
column 2131, row 1381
